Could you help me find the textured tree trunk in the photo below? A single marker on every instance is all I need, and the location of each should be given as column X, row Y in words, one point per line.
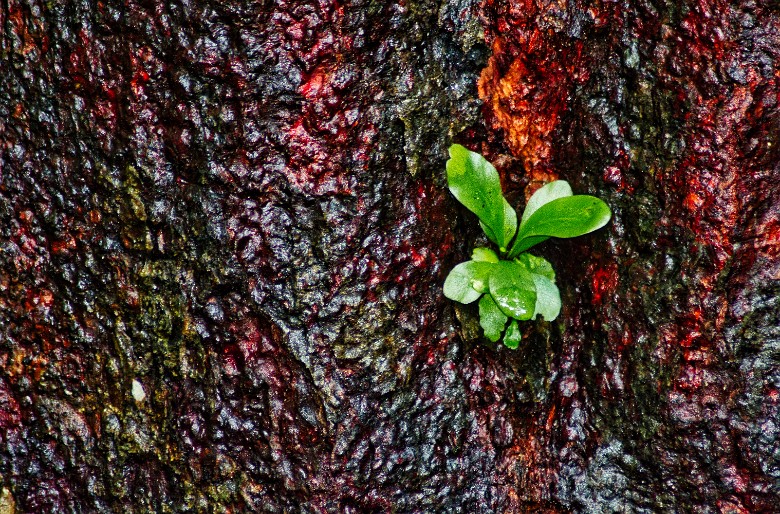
column 224, row 227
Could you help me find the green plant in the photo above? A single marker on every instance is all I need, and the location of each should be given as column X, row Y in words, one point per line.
column 513, row 285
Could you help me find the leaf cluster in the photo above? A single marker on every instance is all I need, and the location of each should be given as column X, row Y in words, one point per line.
column 511, row 284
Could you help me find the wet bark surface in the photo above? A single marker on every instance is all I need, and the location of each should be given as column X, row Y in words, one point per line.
column 224, row 228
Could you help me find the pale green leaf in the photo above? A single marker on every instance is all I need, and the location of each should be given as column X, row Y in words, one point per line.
column 483, row 254
column 491, row 319
column 538, row 265
column 467, row 281
column 548, row 298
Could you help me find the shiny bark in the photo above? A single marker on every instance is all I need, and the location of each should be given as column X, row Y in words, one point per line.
column 224, row 228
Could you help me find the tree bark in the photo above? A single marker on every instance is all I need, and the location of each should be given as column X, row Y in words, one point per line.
column 224, row 228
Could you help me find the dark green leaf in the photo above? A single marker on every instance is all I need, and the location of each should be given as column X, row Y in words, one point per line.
column 467, row 281
column 475, row 183
column 488, row 232
column 491, row 319
column 512, row 335
column 570, row 216
column 527, row 243
column 510, row 225
column 513, row 289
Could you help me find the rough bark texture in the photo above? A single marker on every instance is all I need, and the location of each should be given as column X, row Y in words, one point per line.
column 224, row 229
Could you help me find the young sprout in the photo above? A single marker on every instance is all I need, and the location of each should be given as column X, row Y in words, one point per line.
column 513, row 285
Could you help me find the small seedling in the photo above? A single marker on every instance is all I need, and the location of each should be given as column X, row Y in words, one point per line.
column 512, row 285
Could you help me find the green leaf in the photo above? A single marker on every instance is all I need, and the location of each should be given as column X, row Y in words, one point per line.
column 512, row 335
column 548, row 298
column 527, row 243
column 513, row 289
column 488, row 232
column 510, row 225
column 483, row 254
column 475, row 183
column 538, row 265
column 467, row 281
column 491, row 319
column 546, row 194
column 569, row 216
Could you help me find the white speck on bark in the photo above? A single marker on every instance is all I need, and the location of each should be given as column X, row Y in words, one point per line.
column 138, row 391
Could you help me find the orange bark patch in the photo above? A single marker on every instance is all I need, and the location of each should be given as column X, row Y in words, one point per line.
column 525, row 92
